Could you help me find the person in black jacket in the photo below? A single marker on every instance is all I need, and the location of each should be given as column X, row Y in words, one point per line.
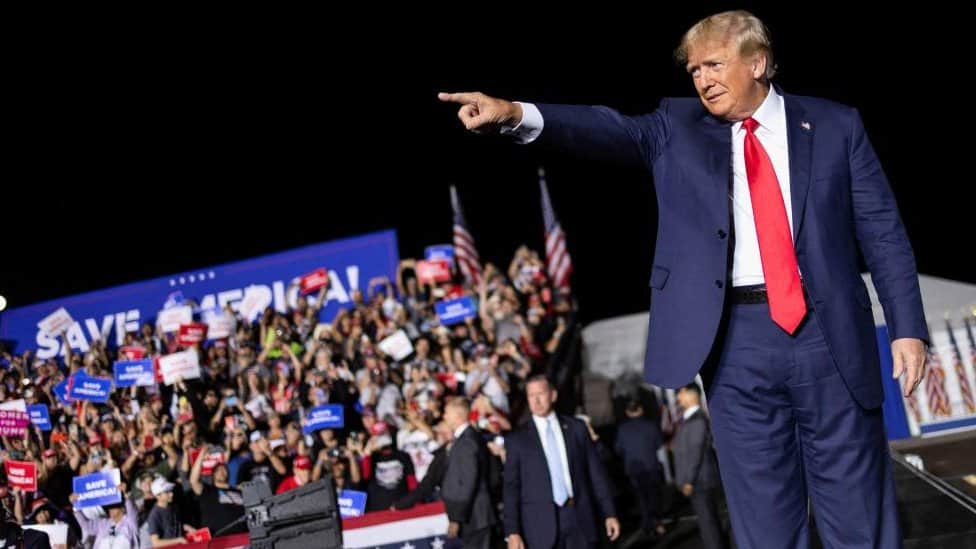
column 638, row 440
column 464, row 488
column 695, row 470
column 428, row 489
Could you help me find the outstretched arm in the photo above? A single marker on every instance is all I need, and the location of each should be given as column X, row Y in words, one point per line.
column 595, row 132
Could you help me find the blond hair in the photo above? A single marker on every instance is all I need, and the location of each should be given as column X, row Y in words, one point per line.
column 737, row 27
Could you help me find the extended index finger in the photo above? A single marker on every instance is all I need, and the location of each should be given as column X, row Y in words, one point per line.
column 462, row 97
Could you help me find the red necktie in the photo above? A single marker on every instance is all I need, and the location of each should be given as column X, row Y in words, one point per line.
column 786, row 304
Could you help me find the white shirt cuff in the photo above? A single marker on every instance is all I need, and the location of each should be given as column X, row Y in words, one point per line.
column 529, row 128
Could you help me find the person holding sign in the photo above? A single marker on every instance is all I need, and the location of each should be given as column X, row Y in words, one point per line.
column 165, row 528
column 120, row 530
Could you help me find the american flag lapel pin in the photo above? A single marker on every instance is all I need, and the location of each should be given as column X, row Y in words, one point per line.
column 805, row 125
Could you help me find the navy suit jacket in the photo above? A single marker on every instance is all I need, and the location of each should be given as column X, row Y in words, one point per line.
column 529, row 509
column 842, row 206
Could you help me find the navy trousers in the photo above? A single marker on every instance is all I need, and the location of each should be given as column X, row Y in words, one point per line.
column 787, row 432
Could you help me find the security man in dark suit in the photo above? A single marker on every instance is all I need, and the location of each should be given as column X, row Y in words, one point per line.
column 638, row 440
column 464, row 488
column 554, row 480
column 695, row 469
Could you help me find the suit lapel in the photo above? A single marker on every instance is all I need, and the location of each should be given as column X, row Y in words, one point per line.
column 717, row 153
column 567, row 441
column 718, row 156
column 799, row 132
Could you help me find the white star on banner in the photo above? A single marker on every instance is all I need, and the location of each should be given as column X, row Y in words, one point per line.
column 438, row 543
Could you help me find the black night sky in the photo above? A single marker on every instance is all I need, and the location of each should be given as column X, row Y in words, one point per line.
column 178, row 148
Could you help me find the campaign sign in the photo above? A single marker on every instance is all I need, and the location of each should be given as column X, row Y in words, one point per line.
column 21, row 474
column 13, row 423
column 97, row 489
column 441, row 251
column 432, row 272
column 352, row 503
column 134, row 372
column 184, row 365
column 326, row 416
column 90, row 388
column 199, row 535
column 61, row 391
column 40, row 416
column 132, row 352
column 456, row 310
column 171, row 319
column 314, row 280
column 56, row 323
column 220, row 323
column 397, row 345
column 192, row 333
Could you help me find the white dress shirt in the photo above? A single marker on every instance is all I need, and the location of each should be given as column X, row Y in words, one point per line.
column 460, row 431
column 771, row 115
column 689, row 412
column 541, row 424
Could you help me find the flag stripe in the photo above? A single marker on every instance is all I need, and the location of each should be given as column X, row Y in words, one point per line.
column 559, row 265
column 464, row 248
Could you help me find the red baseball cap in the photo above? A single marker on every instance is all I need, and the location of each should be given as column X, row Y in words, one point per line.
column 50, row 453
column 302, row 463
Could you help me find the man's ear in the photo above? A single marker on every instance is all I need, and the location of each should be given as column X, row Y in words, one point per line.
column 759, row 66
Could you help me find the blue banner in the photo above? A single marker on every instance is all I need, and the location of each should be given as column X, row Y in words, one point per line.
column 96, row 490
column 85, row 387
column 108, row 314
column 441, row 251
column 134, row 372
column 326, row 416
column 61, row 391
column 457, row 310
column 39, row 416
column 352, row 503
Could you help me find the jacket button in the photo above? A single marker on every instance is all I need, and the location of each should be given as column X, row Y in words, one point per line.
column 719, row 284
column 722, row 234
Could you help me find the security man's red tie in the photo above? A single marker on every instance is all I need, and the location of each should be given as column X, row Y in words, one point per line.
column 786, row 304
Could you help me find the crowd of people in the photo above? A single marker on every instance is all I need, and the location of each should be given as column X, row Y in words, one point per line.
column 183, row 449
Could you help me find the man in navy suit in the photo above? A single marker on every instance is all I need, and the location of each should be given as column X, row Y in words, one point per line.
column 766, row 200
column 554, row 480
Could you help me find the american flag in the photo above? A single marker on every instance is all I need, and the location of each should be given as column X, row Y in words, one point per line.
column 935, row 386
column 558, row 263
column 912, row 401
column 972, row 340
column 964, row 389
column 465, row 253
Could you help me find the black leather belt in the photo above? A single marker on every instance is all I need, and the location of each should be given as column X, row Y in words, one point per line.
column 751, row 295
